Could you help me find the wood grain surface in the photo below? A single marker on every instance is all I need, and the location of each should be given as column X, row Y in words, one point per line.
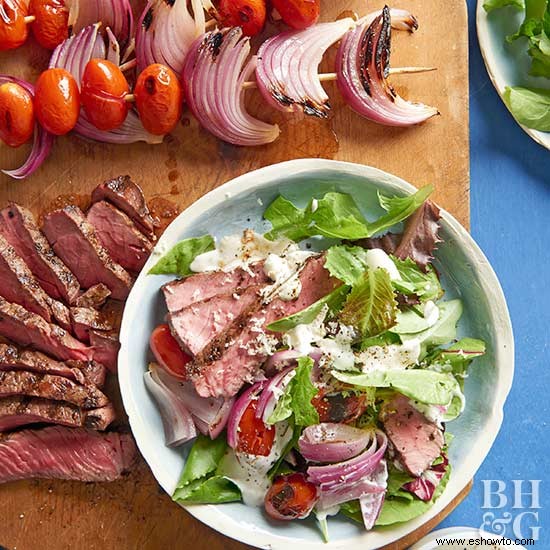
column 134, row 513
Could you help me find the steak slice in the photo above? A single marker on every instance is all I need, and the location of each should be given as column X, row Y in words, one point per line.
column 195, row 326
column 19, row 228
column 416, row 441
column 106, row 347
column 76, row 243
column 61, row 453
column 85, row 319
column 51, row 386
column 12, row 358
column 128, row 197
column 203, row 286
column 228, row 366
column 28, row 329
column 94, row 297
column 18, row 285
column 119, row 235
column 20, row 411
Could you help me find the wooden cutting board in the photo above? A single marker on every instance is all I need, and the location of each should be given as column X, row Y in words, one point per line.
column 134, row 512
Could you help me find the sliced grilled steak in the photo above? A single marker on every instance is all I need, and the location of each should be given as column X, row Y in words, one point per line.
column 202, row 286
column 19, row 228
column 76, row 243
column 128, row 197
column 61, row 453
column 106, row 347
column 85, row 319
column 94, row 297
column 22, row 411
column 28, row 329
column 416, row 441
column 198, row 324
column 118, row 234
column 225, row 366
column 51, row 386
column 12, row 358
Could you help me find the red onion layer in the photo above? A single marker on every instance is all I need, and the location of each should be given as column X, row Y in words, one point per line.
column 362, row 67
column 371, row 503
column 424, row 486
column 328, row 442
column 166, row 31
column 273, row 390
column 42, row 142
column 238, row 409
column 213, row 79
column 288, row 67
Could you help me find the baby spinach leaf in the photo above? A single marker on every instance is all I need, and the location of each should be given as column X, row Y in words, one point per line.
column 178, row 259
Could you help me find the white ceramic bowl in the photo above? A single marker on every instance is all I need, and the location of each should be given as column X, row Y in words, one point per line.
column 466, row 273
column 507, row 64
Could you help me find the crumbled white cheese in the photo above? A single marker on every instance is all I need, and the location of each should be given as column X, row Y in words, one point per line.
column 431, row 313
column 260, row 201
column 376, row 258
column 390, row 357
column 314, row 205
column 302, row 337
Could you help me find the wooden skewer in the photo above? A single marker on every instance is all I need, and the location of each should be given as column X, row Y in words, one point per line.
column 211, row 23
column 128, row 65
column 29, row 19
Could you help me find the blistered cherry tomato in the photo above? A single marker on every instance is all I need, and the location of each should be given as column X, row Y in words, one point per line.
column 16, row 114
column 57, row 101
column 298, row 14
column 254, row 437
column 103, row 90
column 290, row 497
column 50, row 27
column 248, row 14
column 168, row 352
column 339, row 408
column 13, row 28
column 159, row 99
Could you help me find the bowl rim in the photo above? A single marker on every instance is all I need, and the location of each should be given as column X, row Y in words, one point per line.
column 504, row 354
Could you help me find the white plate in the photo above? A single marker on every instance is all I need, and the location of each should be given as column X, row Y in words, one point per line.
column 241, row 203
column 507, row 64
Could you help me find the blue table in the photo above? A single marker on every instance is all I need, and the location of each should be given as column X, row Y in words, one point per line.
column 510, row 218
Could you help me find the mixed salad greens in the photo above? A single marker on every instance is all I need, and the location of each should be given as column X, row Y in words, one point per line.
column 530, row 106
column 348, row 414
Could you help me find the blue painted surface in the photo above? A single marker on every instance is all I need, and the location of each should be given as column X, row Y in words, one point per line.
column 510, row 214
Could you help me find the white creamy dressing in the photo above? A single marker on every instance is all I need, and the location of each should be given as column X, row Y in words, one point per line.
column 376, row 258
column 249, row 472
column 390, row 357
column 284, row 270
column 434, row 413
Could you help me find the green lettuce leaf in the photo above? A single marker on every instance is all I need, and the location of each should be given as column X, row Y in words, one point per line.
column 371, row 307
column 212, row 490
column 457, row 358
column 530, row 107
column 178, row 259
column 384, row 339
column 410, row 321
column 347, row 263
column 491, row 5
column 414, row 281
column 288, row 220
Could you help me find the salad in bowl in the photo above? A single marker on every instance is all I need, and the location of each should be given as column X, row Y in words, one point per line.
column 313, row 367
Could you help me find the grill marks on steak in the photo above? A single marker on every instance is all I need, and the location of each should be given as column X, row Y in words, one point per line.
column 416, row 441
column 85, row 319
column 118, row 234
column 19, row 228
column 128, row 197
column 75, row 242
column 94, row 297
column 60, row 453
column 28, row 329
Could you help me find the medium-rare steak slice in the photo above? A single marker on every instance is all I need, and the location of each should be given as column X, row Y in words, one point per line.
column 61, row 453
column 19, row 228
column 226, row 368
column 85, row 319
column 75, row 242
column 128, row 197
column 13, row 358
column 28, row 329
column 417, row 442
column 51, row 386
column 202, row 286
column 128, row 246
column 198, row 324
column 106, row 347
column 94, row 297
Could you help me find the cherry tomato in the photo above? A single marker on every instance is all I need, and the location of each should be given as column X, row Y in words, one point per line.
column 16, row 115
column 339, row 408
column 168, row 353
column 57, row 101
column 291, row 497
column 50, row 27
column 104, row 88
column 248, row 14
column 159, row 99
column 298, row 14
column 13, row 28
column 255, row 437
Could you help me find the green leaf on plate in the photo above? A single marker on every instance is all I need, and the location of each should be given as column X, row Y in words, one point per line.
column 178, row 259
column 530, row 107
